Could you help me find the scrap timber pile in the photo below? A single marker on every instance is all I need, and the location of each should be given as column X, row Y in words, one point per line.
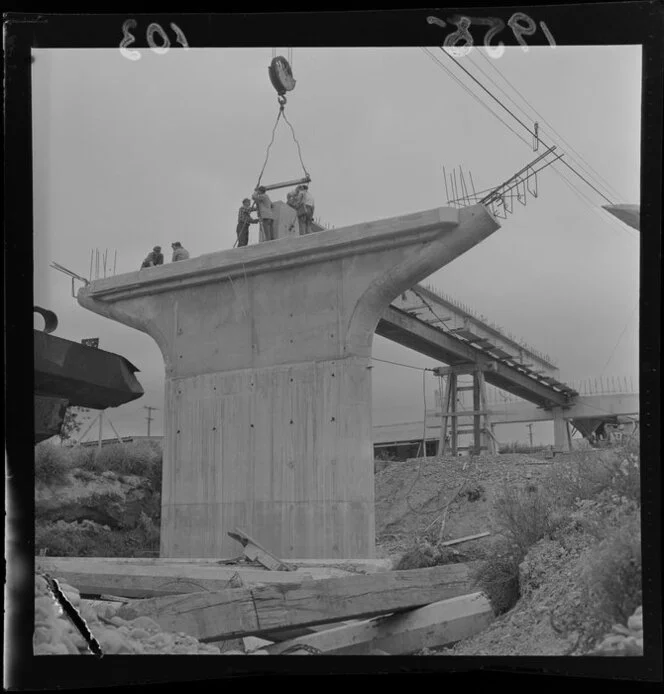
column 255, row 603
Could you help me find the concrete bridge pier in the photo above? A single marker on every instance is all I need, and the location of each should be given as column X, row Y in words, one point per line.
column 267, row 350
column 561, row 434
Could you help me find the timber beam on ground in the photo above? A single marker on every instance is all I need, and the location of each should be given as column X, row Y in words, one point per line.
column 264, row 609
column 398, row 326
column 93, row 576
column 437, row 624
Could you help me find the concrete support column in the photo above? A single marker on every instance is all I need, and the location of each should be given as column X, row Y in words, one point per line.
column 268, row 382
column 561, row 438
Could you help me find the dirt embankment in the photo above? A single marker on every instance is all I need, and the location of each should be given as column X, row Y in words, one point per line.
column 412, row 496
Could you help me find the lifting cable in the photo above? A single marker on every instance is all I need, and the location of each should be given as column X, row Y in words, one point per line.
column 282, row 103
column 281, row 77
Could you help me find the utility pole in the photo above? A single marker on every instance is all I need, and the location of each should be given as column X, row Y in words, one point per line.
column 530, row 433
column 149, row 417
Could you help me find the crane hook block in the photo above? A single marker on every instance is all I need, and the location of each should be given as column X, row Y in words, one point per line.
column 281, row 75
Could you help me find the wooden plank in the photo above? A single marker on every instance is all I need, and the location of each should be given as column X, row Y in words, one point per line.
column 437, row 624
column 314, row 567
column 256, row 552
column 458, row 540
column 288, row 634
column 242, row 612
column 96, row 577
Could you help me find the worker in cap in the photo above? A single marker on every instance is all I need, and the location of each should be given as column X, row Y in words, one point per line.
column 295, row 199
column 154, row 257
column 308, row 202
column 179, row 253
column 265, row 213
column 244, row 220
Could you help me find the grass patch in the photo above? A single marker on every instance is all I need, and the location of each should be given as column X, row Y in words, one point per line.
column 126, row 459
column 89, row 539
column 52, row 465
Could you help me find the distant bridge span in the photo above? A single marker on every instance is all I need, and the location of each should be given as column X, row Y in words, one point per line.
column 433, row 325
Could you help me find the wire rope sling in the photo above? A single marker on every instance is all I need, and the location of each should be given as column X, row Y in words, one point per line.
column 281, row 77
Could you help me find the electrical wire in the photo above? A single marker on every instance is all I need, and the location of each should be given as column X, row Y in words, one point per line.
column 577, row 192
column 477, row 98
column 396, row 363
column 500, row 103
column 613, row 351
column 598, row 177
column 607, row 187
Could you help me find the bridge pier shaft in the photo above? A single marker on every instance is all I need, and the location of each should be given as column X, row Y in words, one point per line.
column 561, row 434
column 267, row 416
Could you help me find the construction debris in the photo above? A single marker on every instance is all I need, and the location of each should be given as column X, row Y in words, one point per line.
column 468, row 538
column 233, row 613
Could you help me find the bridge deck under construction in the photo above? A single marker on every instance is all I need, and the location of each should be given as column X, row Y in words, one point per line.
column 439, row 327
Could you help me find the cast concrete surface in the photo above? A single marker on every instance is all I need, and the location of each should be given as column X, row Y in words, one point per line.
column 268, row 383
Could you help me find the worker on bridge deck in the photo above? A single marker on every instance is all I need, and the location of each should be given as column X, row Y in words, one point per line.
column 179, row 253
column 154, row 257
column 308, row 200
column 265, row 213
column 244, row 219
column 302, row 202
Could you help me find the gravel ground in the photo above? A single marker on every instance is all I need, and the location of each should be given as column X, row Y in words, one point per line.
column 55, row 634
column 414, row 499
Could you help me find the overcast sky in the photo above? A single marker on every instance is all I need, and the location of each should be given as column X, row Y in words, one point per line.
column 132, row 154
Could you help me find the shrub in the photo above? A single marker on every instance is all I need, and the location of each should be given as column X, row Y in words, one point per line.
column 498, row 577
column 84, row 475
column 612, row 577
column 590, row 473
column 126, row 459
column 524, row 516
column 51, row 465
column 90, row 539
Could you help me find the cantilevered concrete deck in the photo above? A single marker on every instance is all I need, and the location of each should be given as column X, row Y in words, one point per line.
column 268, row 383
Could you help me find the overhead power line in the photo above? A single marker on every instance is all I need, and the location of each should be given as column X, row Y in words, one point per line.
column 579, row 157
column 396, row 363
column 500, row 103
column 613, row 351
column 607, row 217
column 477, row 98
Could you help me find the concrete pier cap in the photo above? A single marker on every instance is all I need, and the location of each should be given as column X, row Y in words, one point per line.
column 267, row 415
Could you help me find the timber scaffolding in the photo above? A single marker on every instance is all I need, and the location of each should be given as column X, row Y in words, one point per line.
column 294, row 607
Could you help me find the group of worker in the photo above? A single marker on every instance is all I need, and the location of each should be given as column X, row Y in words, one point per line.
column 300, row 199
column 156, row 257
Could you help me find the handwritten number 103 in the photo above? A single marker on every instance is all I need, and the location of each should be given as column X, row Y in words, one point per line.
column 152, row 29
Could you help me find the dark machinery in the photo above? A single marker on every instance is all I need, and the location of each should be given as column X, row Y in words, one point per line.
column 71, row 374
